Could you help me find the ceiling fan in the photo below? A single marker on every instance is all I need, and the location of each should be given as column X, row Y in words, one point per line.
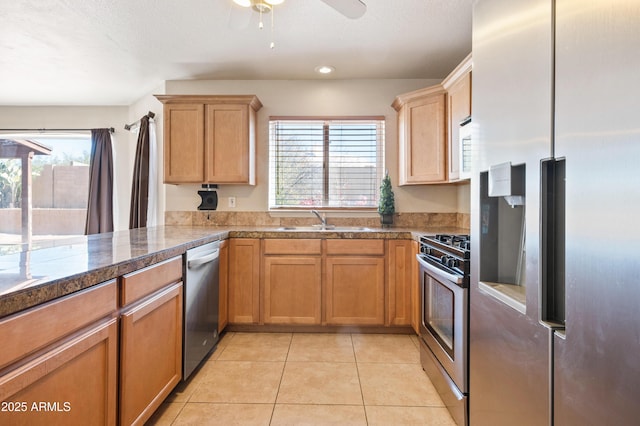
column 352, row 9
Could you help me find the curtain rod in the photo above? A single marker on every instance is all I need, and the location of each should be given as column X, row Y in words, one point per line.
column 111, row 130
column 150, row 114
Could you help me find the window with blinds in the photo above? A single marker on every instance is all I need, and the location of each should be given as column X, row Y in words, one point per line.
column 333, row 163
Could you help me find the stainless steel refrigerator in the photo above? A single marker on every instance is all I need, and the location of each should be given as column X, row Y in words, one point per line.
column 555, row 276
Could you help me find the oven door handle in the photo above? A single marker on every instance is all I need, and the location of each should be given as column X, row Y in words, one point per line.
column 457, row 279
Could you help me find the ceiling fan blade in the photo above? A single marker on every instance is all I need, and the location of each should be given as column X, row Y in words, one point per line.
column 352, row 9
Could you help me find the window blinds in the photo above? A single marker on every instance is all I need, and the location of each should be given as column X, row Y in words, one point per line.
column 334, row 163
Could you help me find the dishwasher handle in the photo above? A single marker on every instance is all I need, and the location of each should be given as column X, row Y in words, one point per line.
column 198, row 261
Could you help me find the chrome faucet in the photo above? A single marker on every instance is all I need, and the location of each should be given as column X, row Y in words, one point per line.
column 323, row 219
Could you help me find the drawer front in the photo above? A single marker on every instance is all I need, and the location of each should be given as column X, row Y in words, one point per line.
column 40, row 326
column 291, row 246
column 357, row 247
column 141, row 283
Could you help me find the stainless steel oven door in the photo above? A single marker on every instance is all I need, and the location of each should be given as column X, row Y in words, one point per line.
column 445, row 319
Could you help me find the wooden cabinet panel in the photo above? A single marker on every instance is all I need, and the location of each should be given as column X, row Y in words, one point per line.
column 399, row 284
column 76, row 381
column 292, row 246
column 223, row 307
column 226, row 144
column 209, row 138
column 458, row 86
column 359, row 247
column 292, row 290
column 422, row 132
column 244, row 280
column 40, row 326
column 415, row 289
column 183, row 143
column 354, row 290
column 143, row 282
column 150, row 354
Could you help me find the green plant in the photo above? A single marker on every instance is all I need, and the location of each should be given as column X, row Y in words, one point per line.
column 386, row 204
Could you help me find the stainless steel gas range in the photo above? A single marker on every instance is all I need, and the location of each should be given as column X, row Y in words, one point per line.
column 444, row 322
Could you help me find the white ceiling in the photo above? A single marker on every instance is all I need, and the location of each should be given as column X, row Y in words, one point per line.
column 112, row 52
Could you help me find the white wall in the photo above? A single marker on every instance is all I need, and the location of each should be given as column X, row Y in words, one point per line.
column 313, row 98
column 279, row 97
column 83, row 117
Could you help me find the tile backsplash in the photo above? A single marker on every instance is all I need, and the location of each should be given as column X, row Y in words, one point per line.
column 226, row 218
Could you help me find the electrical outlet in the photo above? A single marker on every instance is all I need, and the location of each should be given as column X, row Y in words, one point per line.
column 232, row 202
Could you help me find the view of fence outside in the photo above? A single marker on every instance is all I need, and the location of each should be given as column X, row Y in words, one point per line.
column 59, row 190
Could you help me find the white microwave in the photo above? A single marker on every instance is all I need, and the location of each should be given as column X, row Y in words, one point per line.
column 465, row 148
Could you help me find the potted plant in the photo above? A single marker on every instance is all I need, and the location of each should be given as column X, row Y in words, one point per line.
column 386, row 205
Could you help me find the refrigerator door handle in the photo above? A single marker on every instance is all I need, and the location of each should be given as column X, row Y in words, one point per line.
column 552, row 244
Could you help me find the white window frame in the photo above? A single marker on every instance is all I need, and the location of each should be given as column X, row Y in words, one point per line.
column 329, row 200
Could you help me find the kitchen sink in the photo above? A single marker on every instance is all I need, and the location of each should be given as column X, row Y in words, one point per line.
column 325, row 228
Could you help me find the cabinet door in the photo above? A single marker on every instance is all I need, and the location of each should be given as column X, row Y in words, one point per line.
column 244, row 281
column 72, row 384
column 184, row 143
column 150, row 354
column 292, row 290
column 415, row 289
column 459, row 107
column 223, row 308
column 423, row 145
column 399, row 285
column 354, row 290
column 228, row 148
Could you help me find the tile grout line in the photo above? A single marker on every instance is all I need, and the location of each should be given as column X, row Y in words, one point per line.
column 284, row 366
column 364, row 408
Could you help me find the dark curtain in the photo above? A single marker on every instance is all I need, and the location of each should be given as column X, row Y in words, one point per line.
column 140, row 186
column 100, row 204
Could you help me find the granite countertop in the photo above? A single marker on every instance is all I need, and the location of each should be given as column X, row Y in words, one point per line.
column 55, row 268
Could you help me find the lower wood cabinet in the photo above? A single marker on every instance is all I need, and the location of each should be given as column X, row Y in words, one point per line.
column 150, row 339
column 151, row 354
column 244, row 281
column 223, row 305
column 320, row 282
column 71, row 380
column 292, row 290
column 354, row 290
column 399, row 267
column 291, row 281
column 415, row 289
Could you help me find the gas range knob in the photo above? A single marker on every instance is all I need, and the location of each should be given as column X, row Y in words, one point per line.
column 448, row 261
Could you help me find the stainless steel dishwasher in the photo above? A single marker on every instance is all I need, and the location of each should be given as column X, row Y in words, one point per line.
column 201, row 298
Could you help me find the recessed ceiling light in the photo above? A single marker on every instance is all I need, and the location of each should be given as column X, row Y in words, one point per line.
column 325, row 69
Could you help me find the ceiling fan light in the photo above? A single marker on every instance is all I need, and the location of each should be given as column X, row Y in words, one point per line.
column 243, row 3
column 261, row 6
column 274, row 2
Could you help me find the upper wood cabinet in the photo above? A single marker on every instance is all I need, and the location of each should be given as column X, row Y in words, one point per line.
column 428, row 129
column 209, row 139
column 458, row 87
column 422, row 136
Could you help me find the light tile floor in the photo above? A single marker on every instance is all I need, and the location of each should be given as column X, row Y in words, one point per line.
column 307, row 379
